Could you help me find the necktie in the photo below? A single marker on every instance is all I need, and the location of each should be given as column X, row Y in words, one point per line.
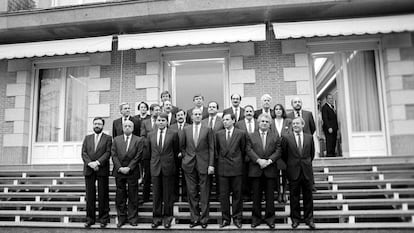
column 236, row 113
column 250, row 126
column 210, row 123
column 127, row 142
column 263, row 140
column 180, row 127
column 152, row 123
column 160, row 139
column 300, row 148
column 96, row 141
column 228, row 136
column 298, row 113
column 195, row 136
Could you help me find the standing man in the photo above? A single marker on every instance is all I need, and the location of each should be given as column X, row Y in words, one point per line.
column 330, row 125
column 147, row 126
column 235, row 108
column 96, row 150
column 230, row 149
column 198, row 101
column 117, row 125
column 168, row 110
column 197, row 150
column 305, row 115
column 264, row 150
column 126, row 154
column 164, row 148
column 213, row 121
column 266, row 100
column 298, row 153
column 166, row 96
column 179, row 178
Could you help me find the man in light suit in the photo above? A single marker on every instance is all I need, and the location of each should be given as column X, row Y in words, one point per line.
column 230, row 149
column 164, row 148
column 305, row 115
column 117, row 125
column 298, row 153
column 197, row 151
column 198, row 101
column 266, row 100
column 147, row 126
column 126, row 154
column 264, row 150
column 96, row 150
column 330, row 125
column 235, row 108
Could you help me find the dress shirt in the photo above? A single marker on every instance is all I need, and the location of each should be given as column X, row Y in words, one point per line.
column 231, row 132
column 279, row 125
column 297, row 139
column 247, row 124
column 213, row 122
column 164, row 132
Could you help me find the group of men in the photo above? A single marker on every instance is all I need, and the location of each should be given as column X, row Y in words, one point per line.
column 241, row 145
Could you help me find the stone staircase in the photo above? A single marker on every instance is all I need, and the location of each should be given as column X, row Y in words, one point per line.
column 353, row 193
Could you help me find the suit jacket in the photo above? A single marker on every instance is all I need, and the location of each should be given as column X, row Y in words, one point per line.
column 198, row 156
column 146, row 128
column 130, row 158
column 286, row 127
column 329, row 118
column 231, row 156
column 117, row 126
column 294, row 160
column 218, row 125
column 308, row 118
column 255, row 151
column 142, row 119
column 204, row 114
column 163, row 159
column 175, row 126
column 257, row 113
column 242, row 125
column 230, row 110
column 102, row 154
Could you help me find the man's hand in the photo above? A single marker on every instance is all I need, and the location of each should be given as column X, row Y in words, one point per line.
column 262, row 163
column 210, row 170
column 124, row 170
column 330, row 130
column 180, row 155
column 93, row 165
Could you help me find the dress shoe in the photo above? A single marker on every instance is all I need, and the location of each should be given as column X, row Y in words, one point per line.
column 279, row 199
column 167, row 225
column 270, row 225
column 134, row 224
column 314, row 189
column 88, row 224
column 295, row 225
column 311, row 225
column 194, row 224
column 155, row 224
column 238, row 224
column 120, row 224
column 255, row 224
column 104, row 224
column 204, row 225
column 224, row 223
column 284, row 198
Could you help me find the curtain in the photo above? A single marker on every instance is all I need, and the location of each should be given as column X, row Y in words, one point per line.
column 49, row 96
column 365, row 109
column 76, row 100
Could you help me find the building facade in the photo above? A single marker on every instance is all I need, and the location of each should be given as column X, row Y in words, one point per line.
column 62, row 65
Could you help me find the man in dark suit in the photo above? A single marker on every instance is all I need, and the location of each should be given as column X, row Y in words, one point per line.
column 166, row 96
column 330, row 125
column 197, row 151
column 180, row 190
column 213, row 121
column 198, row 101
column 168, row 110
column 264, row 150
column 117, row 125
column 164, row 147
column 96, row 150
column 147, row 126
column 248, row 125
column 298, row 153
column 230, row 149
column 266, row 100
column 126, row 154
column 306, row 115
column 235, row 108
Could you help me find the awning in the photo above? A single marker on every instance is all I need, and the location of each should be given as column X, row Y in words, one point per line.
column 344, row 27
column 56, row 47
column 192, row 37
